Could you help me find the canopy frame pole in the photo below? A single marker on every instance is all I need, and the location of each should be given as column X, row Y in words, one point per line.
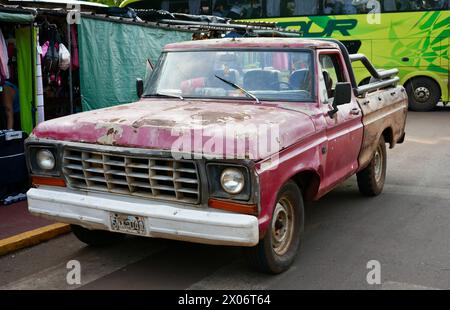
column 69, row 42
column 33, row 53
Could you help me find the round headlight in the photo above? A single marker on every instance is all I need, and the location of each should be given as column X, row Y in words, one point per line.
column 232, row 181
column 45, row 159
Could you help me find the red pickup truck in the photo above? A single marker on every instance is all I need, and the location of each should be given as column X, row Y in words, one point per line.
column 228, row 140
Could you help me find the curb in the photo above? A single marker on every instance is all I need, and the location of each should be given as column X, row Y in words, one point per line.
column 32, row 237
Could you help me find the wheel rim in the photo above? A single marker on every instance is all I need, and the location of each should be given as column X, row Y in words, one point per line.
column 422, row 94
column 282, row 226
column 378, row 160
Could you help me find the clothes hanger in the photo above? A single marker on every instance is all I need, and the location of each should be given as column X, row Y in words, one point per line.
column 48, row 25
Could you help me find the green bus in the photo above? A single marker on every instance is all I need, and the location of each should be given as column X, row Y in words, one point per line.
column 411, row 35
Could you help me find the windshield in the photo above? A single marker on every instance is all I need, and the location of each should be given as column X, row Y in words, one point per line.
column 259, row 75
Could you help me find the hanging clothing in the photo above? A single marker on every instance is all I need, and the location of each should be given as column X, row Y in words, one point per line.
column 74, row 49
column 16, row 102
column 25, row 62
column 12, row 63
column 4, row 70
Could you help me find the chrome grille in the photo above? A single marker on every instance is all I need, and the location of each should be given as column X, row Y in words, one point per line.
column 148, row 177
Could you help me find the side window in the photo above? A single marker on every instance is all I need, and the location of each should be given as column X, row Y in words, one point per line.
column 331, row 72
column 414, row 5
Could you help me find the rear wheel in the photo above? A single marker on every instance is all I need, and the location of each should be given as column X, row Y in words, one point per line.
column 423, row 94
column 95, row 237
column 277, row 251
column 371, row 179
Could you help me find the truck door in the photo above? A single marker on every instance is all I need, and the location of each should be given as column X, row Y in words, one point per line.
column 344, row 130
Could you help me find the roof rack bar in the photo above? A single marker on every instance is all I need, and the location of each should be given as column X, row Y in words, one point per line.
column 192, row 23
column 378, row 74
column 361, row 90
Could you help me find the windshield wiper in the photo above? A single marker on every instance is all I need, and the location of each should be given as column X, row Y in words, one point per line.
column 165, row 95
column 249, row 94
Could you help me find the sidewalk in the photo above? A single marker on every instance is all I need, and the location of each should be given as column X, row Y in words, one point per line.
column 19, row 229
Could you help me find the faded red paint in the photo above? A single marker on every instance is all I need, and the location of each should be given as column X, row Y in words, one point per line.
column 156, row 124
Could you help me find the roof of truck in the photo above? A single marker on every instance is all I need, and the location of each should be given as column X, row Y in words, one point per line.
column 251, row 43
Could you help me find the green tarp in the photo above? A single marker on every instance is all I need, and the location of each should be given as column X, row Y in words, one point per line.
column 26, row 55
column 112, row 55
column 7, row 17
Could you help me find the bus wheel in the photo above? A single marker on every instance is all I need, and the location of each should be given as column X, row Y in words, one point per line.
column 423, row 94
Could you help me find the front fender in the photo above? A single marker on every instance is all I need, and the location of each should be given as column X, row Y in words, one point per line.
column 274, row 172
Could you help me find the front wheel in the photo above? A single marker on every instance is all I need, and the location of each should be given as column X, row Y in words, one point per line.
column 95, row 237
column 371, row 179
column 277, row 251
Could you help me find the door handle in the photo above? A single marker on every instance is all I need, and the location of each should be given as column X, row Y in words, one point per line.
column 354, row 111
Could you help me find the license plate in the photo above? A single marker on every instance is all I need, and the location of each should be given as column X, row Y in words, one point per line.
column 128, row 223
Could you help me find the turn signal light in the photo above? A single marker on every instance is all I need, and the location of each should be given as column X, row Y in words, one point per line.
column 36, row 181
column 233, row 206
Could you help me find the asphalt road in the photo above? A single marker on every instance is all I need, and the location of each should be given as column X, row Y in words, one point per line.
column 406, row 229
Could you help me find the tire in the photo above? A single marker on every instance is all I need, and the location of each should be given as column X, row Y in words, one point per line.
column 277, row 251
column 423, row 94
column 95, row 237
column 371, row 179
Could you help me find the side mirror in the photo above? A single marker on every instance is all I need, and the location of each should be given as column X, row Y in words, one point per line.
column 342, row 95
column 139, row 87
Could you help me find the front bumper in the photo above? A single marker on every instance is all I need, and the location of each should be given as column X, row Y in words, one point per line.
column 162, row 219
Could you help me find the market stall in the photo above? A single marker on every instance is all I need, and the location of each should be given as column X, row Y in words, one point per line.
column 17, row 101
column 50, row 68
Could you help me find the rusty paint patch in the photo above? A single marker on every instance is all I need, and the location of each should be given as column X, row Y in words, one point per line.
column 192, row 109
column 212, row 117
column 154, row 122
column 381, row 110
column 176, row 107
column 113, row 133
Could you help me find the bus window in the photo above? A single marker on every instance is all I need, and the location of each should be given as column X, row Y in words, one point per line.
column 291, row 7
column 194, row 7
column 344, row 7
column 390, row 5
column 414, row 5
column 238, row 9
column 250, row 9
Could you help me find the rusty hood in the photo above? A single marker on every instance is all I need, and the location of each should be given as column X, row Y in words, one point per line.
column 213, row 128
